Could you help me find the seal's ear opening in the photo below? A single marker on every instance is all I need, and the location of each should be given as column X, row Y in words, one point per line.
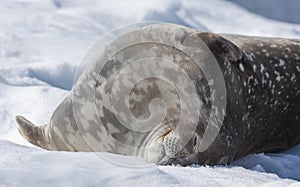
column 221, row 46
column 33, row 134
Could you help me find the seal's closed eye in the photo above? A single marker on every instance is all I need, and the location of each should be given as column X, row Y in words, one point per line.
column 195, row 140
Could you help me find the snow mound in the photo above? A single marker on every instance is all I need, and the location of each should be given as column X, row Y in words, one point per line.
column 285, row 164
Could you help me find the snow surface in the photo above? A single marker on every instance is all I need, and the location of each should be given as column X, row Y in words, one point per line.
column 42, row 43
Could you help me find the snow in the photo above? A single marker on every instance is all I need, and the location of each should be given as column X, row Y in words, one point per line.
column 24, row 166
column 42, row 44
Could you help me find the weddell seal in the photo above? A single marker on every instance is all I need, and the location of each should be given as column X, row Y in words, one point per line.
column 175, row 95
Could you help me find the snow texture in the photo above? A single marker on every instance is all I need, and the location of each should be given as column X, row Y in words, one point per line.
column 41, row 45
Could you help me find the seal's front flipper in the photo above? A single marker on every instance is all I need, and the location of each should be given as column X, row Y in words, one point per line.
column 33, row 134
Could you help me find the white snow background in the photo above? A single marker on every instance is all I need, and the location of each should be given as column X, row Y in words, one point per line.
column 41, row 44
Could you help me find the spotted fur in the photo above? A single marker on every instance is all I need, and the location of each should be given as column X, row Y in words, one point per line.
column 262, row 79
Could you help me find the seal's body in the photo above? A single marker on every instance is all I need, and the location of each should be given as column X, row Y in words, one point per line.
column 263, row 101
column 262, row 114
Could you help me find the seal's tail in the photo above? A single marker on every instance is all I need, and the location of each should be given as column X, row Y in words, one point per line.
column 34, row 134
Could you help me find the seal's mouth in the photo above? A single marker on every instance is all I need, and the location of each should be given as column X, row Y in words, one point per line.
column 153, row 148
column 169, row 161
column 183, row 161
column 165, row 147
column 176, row 151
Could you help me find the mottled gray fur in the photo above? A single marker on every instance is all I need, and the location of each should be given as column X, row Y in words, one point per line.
column 262, row 79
